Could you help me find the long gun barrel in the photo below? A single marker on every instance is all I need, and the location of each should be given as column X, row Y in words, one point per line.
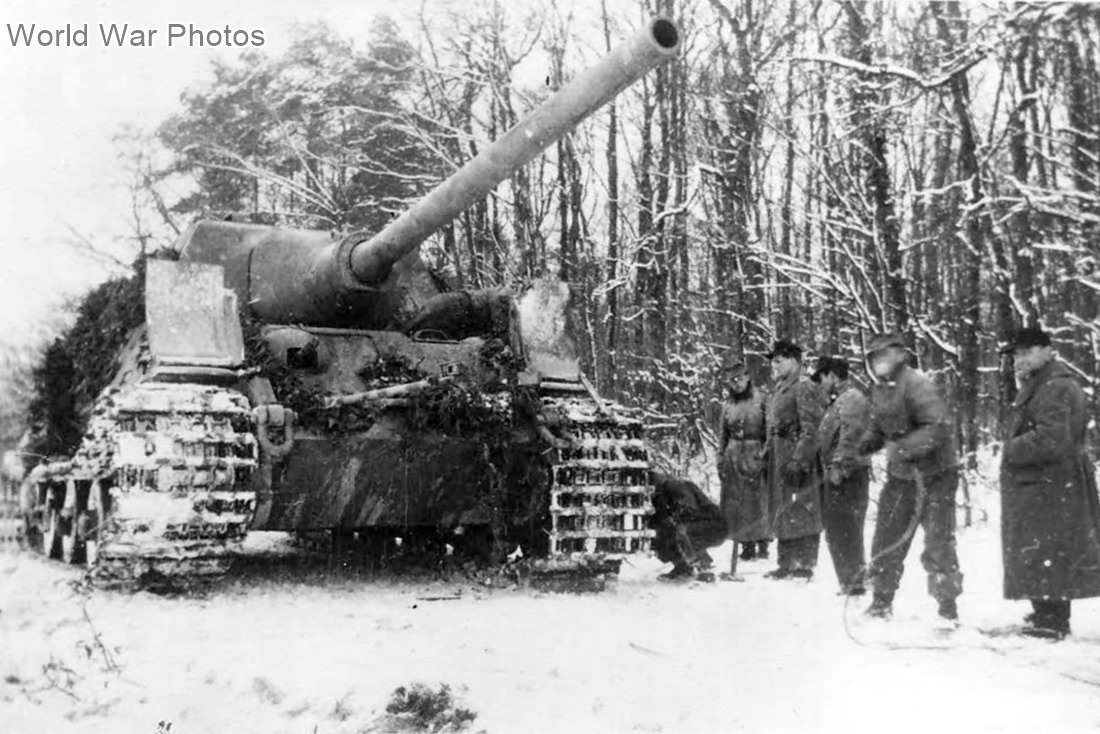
column 586, row 93
column 302, row 278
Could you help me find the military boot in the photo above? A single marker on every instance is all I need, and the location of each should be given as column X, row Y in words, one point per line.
column 679, row 572
column 748, row 551
column 1049, row 621
column 703, row 561
column 948, row 621
column 882, row 606
column 949, row 610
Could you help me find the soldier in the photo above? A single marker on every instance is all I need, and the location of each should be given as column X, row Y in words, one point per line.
column 1050, row 521
column 909, row 418
column 744, row 499
column 847, row 474
column 794, row 412
column 687, row 523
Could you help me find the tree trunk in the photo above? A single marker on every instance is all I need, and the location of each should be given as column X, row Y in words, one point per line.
column 1020, row 218
column 885, row 246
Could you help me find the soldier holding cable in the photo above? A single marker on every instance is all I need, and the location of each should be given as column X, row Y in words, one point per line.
column 910, row 419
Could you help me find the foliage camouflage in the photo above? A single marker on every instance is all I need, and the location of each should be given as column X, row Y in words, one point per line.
column 81, row 362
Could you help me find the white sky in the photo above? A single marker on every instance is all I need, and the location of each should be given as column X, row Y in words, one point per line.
column 61, row 107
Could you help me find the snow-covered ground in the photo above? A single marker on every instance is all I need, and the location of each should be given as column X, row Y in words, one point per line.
column 305, row 656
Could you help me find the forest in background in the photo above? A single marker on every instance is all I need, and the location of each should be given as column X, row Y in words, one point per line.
column 809, row 169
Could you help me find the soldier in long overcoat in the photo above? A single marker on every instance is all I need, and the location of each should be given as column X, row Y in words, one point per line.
column 794, row 480
column 1050, row 521
column 744, row 499
column 847, row 475
column 910, row 419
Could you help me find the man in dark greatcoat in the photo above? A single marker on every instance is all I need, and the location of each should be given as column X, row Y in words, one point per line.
column 1050, row 521
column 687, row 524
column 910, row 418
column 794, row 480
column 744, row 499
column 847, row 474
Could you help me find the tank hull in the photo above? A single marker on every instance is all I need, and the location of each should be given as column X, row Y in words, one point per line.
column 300, row 381
column 360, row 481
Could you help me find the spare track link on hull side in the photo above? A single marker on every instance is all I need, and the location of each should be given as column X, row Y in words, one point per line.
column 162, row 484
column 601, row 496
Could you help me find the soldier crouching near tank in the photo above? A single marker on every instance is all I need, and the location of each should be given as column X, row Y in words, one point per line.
column 847, row 475
column 687, row 524
column 744, row 500
column 1050, row 519
column 794, row 481
column 909, row 418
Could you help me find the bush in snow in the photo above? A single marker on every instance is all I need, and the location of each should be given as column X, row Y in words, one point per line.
column 420, row 709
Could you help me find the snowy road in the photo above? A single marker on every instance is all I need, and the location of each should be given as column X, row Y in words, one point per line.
column 761, row 656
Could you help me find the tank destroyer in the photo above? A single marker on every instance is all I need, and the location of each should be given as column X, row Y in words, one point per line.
column 301, row 381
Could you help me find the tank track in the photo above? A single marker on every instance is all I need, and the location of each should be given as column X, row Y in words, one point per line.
column 601, row 496
column 165, row 471
column 161, row 490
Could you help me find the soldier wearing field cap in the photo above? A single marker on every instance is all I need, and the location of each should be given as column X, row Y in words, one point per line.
column 744, row 498
column 846, row 474
column 1050, row 521
column 794, row 480
column 910, row 419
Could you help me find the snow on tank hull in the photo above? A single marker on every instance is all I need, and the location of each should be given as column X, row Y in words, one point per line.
column 162, row 482
column 182, row 468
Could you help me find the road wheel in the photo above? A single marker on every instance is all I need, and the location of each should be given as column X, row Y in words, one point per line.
column 32, row 534
column 88, row 528
column 53, row 535
column 74, row 544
